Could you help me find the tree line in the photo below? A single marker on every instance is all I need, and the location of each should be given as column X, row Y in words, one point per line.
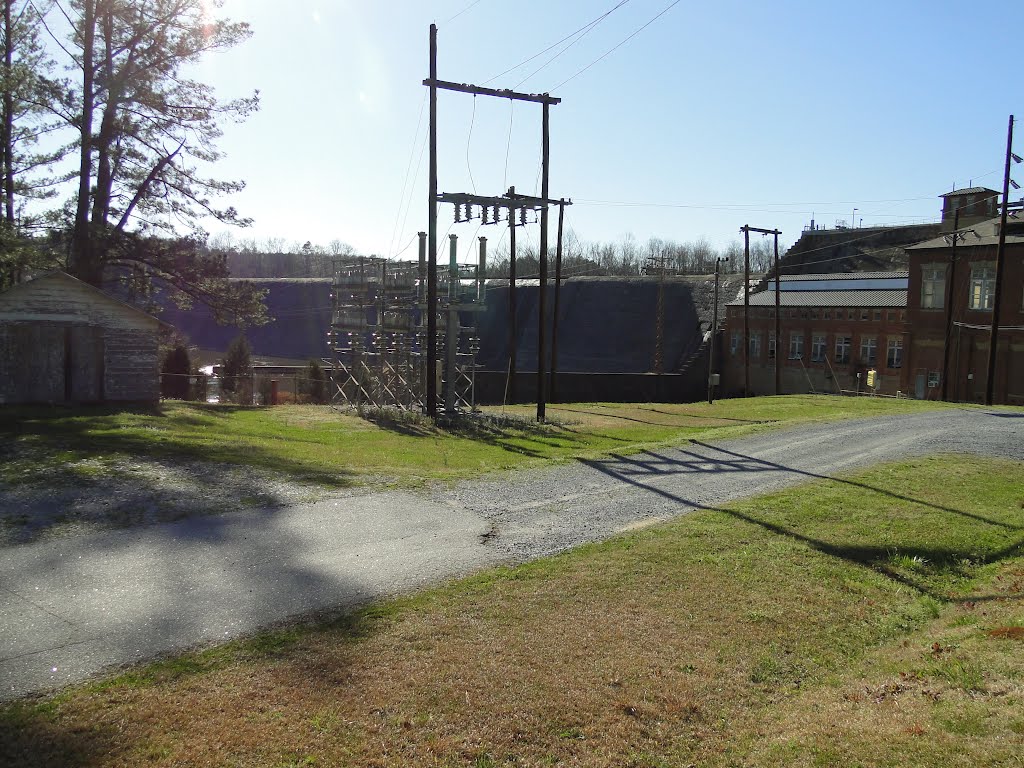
column 626, row 257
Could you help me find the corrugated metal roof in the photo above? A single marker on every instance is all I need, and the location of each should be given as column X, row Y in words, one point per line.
column 850, row 276
column 969, row 191
column 827, row 299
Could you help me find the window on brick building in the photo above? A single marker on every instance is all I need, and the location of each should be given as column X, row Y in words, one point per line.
column 864, row 314
column 755, row 345
column 843, row 349
column 771, row 345
column 933, row 287
column 736, row 342
column 818, row 347
column 868, row 350
column 894, row 354
column 796, row 346
column 878, row 315
column 983, row 283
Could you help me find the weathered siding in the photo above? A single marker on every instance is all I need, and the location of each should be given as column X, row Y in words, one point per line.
column 31, row 363
column 131, row 361
column 62, row 340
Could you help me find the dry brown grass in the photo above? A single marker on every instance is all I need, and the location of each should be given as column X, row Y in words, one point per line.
column 710, row 641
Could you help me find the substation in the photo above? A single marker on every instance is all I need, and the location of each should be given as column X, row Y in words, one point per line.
column 404, row 334
column 378, row 335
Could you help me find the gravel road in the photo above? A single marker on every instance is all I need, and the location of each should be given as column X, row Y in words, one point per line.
column 74, row 606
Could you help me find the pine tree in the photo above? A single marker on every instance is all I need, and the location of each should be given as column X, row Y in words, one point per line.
column 236, row 368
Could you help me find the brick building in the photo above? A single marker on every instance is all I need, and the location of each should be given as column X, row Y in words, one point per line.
column 965, row 313
column 835, row 328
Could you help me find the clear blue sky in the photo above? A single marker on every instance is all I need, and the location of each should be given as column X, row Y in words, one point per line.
column 718, row 113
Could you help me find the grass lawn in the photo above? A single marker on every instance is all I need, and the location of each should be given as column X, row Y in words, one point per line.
column 875, row 620
column 50, row 445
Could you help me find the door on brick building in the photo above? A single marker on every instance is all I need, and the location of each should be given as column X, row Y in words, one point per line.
column 920, row 385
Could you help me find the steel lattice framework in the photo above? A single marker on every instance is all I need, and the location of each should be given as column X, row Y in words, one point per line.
column 378, row 336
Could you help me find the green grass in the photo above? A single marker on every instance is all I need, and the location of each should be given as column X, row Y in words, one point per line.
column 47, row 445
column 873, row 619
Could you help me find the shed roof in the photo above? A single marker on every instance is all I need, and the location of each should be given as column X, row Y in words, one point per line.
column 91, row 290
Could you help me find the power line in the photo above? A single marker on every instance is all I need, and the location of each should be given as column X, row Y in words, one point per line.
column 586, row 26
column 612, row 50
column 468, row 7
column 469, row 139
column 408, row 168
column 590, row 29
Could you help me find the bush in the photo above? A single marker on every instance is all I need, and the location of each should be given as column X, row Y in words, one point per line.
column 176, row 370
column 236, row 371
column 313, row 384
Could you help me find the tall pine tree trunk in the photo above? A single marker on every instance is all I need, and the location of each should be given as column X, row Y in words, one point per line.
column 8, row 121
column 83, row 261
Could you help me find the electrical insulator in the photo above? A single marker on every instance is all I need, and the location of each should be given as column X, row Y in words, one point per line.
column 522, row 216
column 485, row 215
column 458, row 212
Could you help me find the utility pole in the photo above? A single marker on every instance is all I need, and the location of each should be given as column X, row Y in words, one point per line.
column 451, row 345
column 714, row 335
column 746, row 310
column 552, row 389
column 1000, row 266
column 432, row 237
column 542, row 291
column 944, row 391
column 746, row 229
column 513, row 336
column 778, row 317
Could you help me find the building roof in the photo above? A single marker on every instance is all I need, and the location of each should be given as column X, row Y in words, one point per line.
column 854, row 298
column 850, row 276
column 58, row 275
column 981, row 234
column 969, row 191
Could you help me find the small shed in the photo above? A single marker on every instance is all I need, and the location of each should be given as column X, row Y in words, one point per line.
column 65, row 341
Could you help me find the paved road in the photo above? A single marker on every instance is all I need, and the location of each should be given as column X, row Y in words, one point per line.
column 75, row 606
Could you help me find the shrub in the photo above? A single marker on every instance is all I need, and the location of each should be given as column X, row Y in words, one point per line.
column 313, row 383
column 236, row 371
column 175, row 372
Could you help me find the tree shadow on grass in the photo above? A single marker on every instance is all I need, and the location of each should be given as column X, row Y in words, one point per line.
column 641, row 470
column 691, row 416
column 84, row 468
column 28, row 739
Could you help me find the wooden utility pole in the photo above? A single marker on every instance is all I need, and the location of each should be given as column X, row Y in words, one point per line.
column 432, row 237
column 513, row 336
column 778, row 318
column 714, row 334
column 552, row 389
column 542, row 294
column 1000, row 267
column 746, row 229
column 944, row 391
column 746, row 310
